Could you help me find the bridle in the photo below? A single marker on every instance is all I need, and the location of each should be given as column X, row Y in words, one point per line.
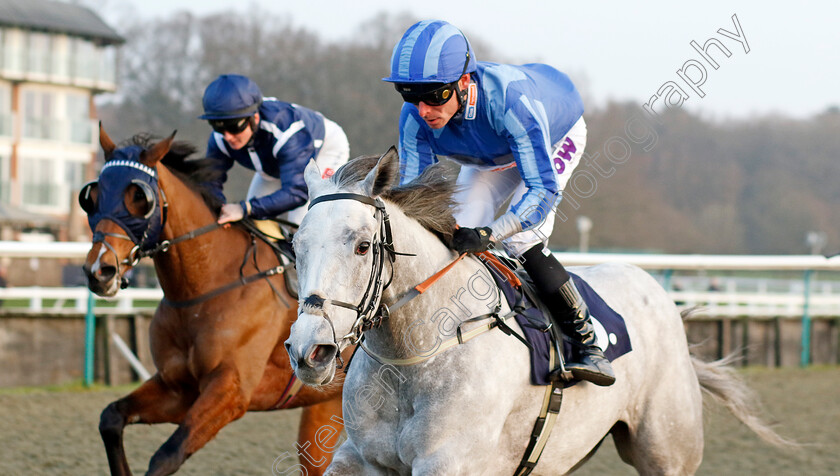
column 371, row 311
column 145, row 247
column 154, row 194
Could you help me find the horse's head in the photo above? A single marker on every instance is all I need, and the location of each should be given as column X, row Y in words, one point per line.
column 341, row 248
column 125, row 211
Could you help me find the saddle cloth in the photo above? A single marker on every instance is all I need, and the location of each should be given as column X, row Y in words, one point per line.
column 610, row 328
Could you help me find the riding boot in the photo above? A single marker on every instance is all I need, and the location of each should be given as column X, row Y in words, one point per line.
column 589, row 362
column 569, row 313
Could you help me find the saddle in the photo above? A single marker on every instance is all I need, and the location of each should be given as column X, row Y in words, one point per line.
column 277, row 234
column 534, row 318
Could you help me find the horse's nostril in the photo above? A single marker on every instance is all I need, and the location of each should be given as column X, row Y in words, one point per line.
column 320, row 354
column 291, row 351
column 106, row 273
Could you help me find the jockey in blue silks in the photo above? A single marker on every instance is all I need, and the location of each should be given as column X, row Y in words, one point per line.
column 518, row 133
column 276, row 139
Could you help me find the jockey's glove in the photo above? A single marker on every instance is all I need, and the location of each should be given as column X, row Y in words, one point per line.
column 471, row 240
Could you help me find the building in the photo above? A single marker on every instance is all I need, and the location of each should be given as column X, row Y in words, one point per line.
column 54, row 58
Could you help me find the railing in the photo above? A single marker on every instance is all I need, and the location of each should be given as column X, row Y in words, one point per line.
column 74, row 301
column 757, row 305
column 129, row 301
column 803, row 299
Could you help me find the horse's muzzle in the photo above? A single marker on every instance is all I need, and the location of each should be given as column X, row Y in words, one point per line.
column 316, row 356
column 102, row 281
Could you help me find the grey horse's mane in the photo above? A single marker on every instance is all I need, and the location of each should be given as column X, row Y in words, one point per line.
column 427, row 199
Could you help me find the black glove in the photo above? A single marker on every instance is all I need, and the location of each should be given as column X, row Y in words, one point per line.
column 471, row 240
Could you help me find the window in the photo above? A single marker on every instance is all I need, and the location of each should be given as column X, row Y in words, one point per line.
column 39, row 188
column 11, row 53
column 5, row 110
column 5, row 181
column 74, row 175
column 108, row 61
column 39, row 57
column 39, row 115
column 78, row 114
column 84, row 62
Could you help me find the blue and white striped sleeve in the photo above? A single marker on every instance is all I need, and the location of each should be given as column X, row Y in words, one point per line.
column 415, row 151
column 528, row 131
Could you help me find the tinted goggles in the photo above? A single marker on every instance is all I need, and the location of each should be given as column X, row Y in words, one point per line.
column 412, row 93
column 233, row 126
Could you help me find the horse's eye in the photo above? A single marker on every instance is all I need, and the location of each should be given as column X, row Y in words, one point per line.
column 363, row 248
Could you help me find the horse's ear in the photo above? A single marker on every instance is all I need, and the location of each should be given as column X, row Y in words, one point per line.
column 151, row 156
column 382, row 176
column 107, row 144
column 312, row 177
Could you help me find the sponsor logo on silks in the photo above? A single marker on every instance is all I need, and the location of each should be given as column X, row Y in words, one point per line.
column 563, row 154
column 472, row 99
column 328, row 172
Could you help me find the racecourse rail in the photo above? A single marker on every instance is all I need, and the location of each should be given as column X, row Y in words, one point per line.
column 803, row 299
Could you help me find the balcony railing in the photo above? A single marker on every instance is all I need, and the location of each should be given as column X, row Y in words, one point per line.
column 96, row 70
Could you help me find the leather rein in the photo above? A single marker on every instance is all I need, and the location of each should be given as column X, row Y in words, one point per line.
column 137, row 253
column 371, row 312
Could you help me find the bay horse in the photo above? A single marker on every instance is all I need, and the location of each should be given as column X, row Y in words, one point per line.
column 419, row 402
column 217, row 336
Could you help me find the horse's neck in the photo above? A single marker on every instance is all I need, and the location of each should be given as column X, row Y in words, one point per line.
column 430, row 254
column 188, row 267
column 432, row 316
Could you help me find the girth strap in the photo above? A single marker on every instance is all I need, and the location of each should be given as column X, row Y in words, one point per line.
column 552, row 400
column 289, row 394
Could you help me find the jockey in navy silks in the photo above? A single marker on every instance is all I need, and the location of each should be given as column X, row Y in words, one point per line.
column 518, row 133
column 276, row 139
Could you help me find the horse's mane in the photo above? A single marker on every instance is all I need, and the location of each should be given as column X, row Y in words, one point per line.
column 197, row 173
column 427, row 199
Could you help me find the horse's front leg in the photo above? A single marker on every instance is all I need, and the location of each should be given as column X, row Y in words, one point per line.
column 222, row 400
column 152, row 402
column 318, row 435
column 348, row 461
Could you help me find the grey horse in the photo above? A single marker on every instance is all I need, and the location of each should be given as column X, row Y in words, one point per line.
column 412, row 406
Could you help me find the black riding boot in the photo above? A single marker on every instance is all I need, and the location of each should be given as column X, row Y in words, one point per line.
column 589, row 361
column 571, row 314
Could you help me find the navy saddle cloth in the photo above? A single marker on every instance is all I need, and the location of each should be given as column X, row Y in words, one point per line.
column 610, row 329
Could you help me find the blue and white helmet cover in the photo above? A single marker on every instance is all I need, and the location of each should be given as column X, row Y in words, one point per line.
column 431, row 51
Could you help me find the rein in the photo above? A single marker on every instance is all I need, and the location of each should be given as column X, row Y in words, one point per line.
column 242, row 281
column 372, row 316
column 375, row 312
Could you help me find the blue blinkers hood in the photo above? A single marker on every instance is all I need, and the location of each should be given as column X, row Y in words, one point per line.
column 118, row 173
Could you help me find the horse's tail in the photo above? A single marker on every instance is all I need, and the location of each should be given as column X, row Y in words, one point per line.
column 721, row 381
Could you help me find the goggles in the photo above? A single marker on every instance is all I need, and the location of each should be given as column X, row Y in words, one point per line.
column 415, row 94
column 233, row 126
